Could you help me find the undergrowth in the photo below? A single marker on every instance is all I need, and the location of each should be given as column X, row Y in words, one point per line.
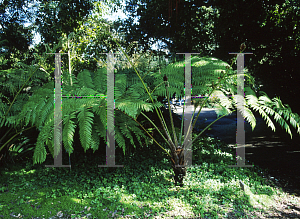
column 143, row 188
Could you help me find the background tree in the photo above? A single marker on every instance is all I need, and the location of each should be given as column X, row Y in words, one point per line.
column 185, row 26
column 57, row 17
column 79, row 29
column 270, row 28
column 15, row 36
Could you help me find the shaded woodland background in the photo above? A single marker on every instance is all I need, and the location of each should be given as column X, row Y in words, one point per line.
column 270, row 29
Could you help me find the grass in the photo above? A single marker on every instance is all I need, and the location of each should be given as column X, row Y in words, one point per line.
column 144, row 188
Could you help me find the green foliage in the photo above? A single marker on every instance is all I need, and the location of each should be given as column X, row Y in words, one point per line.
column 17, row 151
column 15, row 36
column 88, row 43
column 210, row 77
column 184, row 26
column 275, row 44
column 54, row 18
column 224, row 84
column 143, row 188
column 16, row 88
column 89, row 114
column 269, row 28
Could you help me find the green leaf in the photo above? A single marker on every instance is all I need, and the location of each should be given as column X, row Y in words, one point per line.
column 69, row 131
column 85, row 119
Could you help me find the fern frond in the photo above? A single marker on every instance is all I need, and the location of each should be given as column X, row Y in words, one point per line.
column 84, row 91
column 279, row 109
column 44, row 136
column 100, row 111
column 128, row 108
column 263, row 106
column 85, row 120
column 265, row 117
column 221, row 110
column 223, row 99
column 248, row 115
column 21, row 99
column 125, row 129
column 85, row 79
column 120, row 86
column 138, row 132
column 100, row 126
column 44, row 111
column 95, row 140
column 69, row 131
column 119, row 138
column 57, row 130
column 29, row 111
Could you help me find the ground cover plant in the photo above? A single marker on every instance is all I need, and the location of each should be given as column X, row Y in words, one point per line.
column 142, row 189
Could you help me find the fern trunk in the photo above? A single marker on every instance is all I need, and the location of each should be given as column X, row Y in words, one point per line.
column 179, row 172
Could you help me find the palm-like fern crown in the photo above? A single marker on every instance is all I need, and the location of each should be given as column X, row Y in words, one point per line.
column 131, row 99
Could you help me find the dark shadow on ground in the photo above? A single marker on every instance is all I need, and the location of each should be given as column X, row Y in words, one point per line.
column 275, row 152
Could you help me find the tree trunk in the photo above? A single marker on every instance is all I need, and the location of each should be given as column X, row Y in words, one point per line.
column 179, row 172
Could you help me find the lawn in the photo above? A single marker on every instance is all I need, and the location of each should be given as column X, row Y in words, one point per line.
column 144, row 188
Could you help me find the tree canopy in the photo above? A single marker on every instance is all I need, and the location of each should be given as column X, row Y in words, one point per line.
column 269, row 28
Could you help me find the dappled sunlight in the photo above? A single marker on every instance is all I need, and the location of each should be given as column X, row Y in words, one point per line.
column 210, row 190
column 200, row 63
column 179, row 207
column 259, row 200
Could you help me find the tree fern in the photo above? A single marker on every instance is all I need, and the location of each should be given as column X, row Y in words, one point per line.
column 88, row 113
column 100, row 110
column 248, row 115
column 210, row 76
